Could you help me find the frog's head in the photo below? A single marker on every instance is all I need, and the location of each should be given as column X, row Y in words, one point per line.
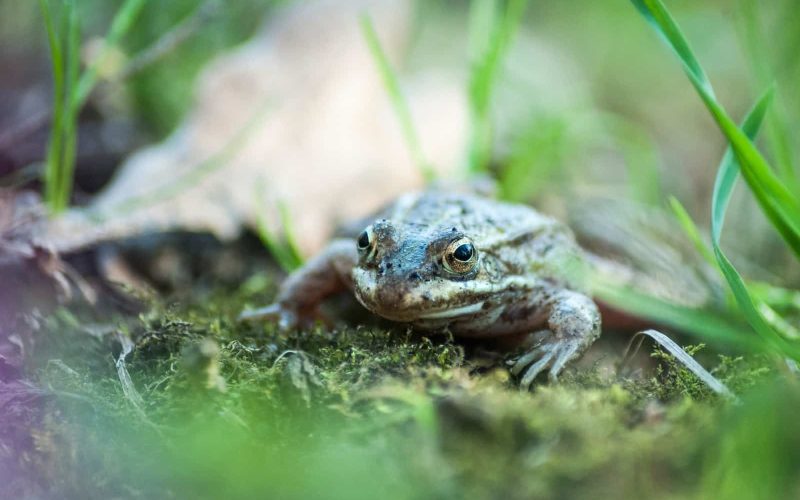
column 409, row 272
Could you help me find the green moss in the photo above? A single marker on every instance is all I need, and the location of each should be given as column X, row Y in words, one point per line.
column 235, row 410
column 674, row 381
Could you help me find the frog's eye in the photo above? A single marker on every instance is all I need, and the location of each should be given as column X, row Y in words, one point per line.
column 366, row 240
column 460, row 257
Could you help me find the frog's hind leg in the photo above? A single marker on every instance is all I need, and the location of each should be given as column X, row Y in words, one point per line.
column 573, row 322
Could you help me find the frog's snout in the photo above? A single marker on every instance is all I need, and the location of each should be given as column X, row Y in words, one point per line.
column 392, row 299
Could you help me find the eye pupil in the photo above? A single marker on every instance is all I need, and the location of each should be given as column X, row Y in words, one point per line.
column 363, row 240
column 460, row 257
column 464, row 252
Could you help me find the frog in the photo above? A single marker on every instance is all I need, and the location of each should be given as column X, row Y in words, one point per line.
column 461, row 262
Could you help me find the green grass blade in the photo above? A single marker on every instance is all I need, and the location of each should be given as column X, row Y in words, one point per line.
column 723, row 187
column 285, row 253
column 54, row 146
column 482, row 20
column 641, row 158
column 278, row 250
column 399, row 102
column 703, row 324
column 776, row 321
column 292, row 248
column 777, row 126
column 690, row 228
column 657, row 15
column 70, row 90
column 779, row 204
column 485, row 71
column 70, row 124
column 167, row 43
column 535, row 157
column 728, row 171
column 122, row 22
column 775, row 296
column 483, row 15
column 775, row 200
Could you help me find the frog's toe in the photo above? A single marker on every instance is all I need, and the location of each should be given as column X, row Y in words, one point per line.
column 566, row 352
column 519, row 364
column 553, row 355
column 536, row 368
column 285, row 317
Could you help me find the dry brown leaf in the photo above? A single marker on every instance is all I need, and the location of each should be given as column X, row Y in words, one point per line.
column 310, row 121
column 300, row 117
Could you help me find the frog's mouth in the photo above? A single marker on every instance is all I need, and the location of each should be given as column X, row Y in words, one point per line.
column 398, row 300
column 452, row 312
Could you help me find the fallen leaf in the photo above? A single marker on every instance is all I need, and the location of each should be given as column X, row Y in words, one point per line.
column 300, row 111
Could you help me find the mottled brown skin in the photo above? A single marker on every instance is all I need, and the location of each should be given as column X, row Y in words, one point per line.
column 525, row 274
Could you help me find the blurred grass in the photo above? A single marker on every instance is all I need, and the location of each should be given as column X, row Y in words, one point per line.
column 779, row 204
column 281, row 246
column 399, row 101
column 162, row 93
column 492, row 30
column 71, row 88
column 754, row 454
column 750, row 22
column 60, row 161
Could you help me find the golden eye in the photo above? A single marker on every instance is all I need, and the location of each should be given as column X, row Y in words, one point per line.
column 366, row 240
column 460, row 257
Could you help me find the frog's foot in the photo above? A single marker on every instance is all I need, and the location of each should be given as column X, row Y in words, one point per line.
column 573, row 325
column 551, row 352
column 286, row 317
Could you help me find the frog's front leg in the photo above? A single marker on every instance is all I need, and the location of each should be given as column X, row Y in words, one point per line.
column 573, row 322
column 300, row 295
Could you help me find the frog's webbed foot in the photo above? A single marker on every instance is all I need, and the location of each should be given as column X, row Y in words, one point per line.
column 574, row 324
column 285, row 317
column 552, row 353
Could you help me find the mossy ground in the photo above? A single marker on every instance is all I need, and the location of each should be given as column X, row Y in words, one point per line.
column 224, row 409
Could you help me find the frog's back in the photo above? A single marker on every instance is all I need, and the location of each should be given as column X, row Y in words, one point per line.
column 484, row 219
column 521, row 240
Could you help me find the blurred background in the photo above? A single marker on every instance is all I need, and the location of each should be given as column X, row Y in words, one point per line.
column 275, row 118
column 588, row 100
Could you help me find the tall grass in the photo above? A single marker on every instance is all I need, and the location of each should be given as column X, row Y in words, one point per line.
column 401, row 107
column 780, row 204
column 71, row 88
column 283, row 247
column 491, row 31
column 776, row 122
column 63, row 39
